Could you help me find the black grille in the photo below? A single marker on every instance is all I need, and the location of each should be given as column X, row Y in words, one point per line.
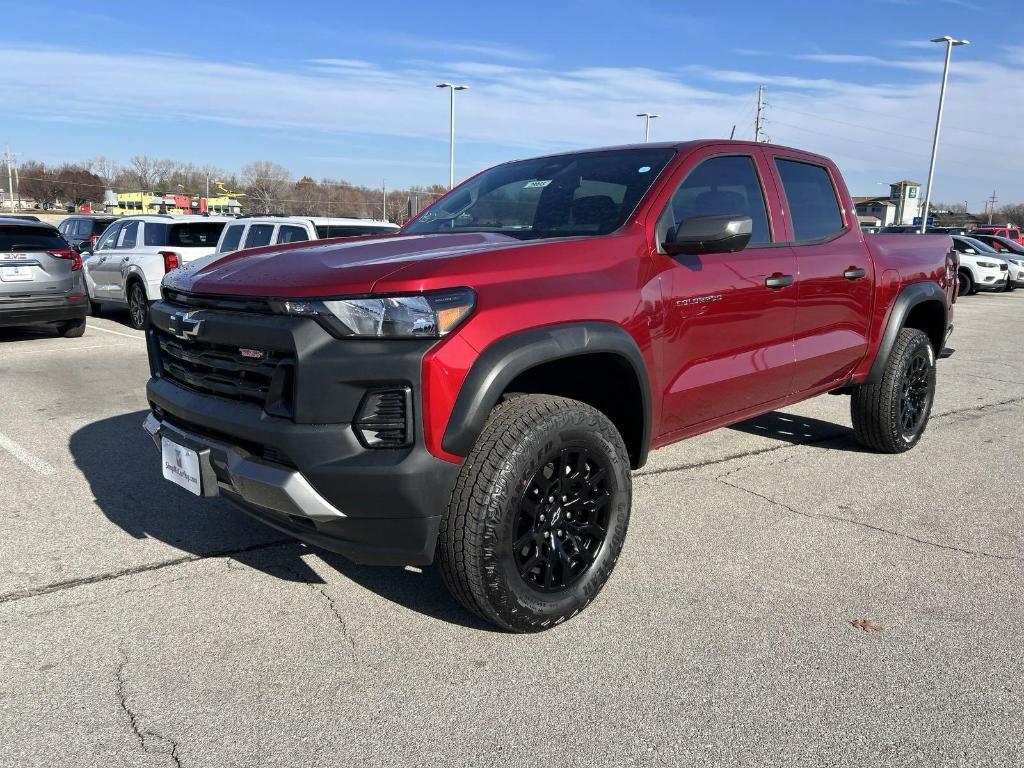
column 226, row 303
column 1003, row 266
column 222, row 370
column 383, row 420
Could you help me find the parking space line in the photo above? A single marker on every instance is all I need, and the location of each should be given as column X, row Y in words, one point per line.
column 116, row 333
column 25, row 457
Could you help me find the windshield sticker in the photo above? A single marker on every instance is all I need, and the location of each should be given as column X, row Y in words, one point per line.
column 536, row 184
column 643, row 169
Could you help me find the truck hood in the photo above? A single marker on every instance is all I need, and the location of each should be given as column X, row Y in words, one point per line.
column 323, row 268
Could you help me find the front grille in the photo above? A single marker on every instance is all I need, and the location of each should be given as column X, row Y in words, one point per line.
column 218, row 369
column 224, row 303
column 1003, row 267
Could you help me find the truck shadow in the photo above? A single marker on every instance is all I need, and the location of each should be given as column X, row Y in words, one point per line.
column 800, row 430
column 123, row 470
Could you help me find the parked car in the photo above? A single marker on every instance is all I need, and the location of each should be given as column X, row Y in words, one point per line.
column 1012, row 251
column 257, row 231
column 40, row 278
column 981, row 268
column 135, row 252
column 84, row 231
column 480, row 385
column 1007, row 231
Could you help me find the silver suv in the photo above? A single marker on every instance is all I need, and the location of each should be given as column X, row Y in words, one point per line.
column 40, row 278
column 134, row 253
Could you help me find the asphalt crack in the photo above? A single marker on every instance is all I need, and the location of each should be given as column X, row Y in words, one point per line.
column 143, row 735
column 869, row 526
column 59, row 586
column 332, row 605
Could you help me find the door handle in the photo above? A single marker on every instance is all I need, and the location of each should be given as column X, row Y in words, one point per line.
column 854, row 273
column 778, row 281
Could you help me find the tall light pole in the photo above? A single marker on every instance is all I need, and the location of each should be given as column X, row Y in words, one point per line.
column 453, row 87
column 647, row 116
column 950, row 42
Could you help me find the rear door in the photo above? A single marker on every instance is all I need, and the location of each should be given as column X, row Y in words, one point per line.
column 727, row 341
column 34, row 261
column 835, row 282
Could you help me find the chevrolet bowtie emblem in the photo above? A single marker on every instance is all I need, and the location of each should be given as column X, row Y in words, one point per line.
column 183, row 325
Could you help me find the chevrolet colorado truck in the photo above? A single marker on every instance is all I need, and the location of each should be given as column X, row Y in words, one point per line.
column 478, row 387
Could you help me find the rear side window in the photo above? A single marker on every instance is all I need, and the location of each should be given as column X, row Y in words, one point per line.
column 813, row 206
column 154, row 233
column 259, row 234
column 721, row 186
column 334, row 230
column 289, row 234
column 232, row 238
column 13, row 239
column 203, row 234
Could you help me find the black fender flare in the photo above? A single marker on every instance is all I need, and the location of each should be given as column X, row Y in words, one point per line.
column 908, row 298
column 511, row 355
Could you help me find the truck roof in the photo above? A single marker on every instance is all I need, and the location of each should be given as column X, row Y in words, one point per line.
column 688, row 145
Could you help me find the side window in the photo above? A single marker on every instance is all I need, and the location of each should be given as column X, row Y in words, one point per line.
column 154, row 233
column 290, row 234
column 107, row 241
column 232, row 238
column 259, row 234
column 720, row 186
column 813, row 205
column 64, row 227
column 83, row 230
column 129, row 235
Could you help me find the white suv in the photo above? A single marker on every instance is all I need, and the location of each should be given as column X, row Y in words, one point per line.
column 255, row 231
column 981, row 268
column 134, row 253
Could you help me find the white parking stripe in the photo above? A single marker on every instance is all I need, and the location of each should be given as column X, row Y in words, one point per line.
column 116, row 333
column 24, row 456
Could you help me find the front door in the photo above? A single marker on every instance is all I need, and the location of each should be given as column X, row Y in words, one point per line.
column 103, row 265
column 835, row 280
column 125, row 247
column 727, row 340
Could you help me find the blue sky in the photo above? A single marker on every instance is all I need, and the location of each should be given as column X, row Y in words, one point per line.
column 345, row 90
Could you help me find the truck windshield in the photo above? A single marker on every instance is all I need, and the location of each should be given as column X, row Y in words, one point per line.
column 589, row 193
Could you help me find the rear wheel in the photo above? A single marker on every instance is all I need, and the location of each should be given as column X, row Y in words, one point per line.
column 891, row 416
column 72, row 329
column 138, row 306
column 966, row 282
column 539, row 513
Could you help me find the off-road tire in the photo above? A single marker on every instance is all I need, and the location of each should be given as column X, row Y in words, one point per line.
column 475, row 545
column 876, row 408
column 72, row 329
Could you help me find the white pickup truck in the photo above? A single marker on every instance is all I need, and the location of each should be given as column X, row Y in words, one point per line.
column 257, row 231
column 134, row 253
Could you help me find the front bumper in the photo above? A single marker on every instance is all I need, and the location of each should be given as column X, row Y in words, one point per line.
column 297, row 464
column 992, row 283
column 43, row 310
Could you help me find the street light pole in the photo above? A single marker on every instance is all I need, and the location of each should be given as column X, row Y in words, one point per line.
column 950, row 42
column 647, row 116
column 453, row 87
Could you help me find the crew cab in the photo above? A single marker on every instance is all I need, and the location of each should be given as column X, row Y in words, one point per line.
column 478, row 387
column 1008, row 231
column 135, row 252
column 257, row 231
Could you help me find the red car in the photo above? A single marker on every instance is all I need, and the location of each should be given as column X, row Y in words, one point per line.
column 1011, row 233
column 480, row 385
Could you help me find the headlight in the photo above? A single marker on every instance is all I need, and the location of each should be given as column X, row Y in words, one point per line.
column 419, row 315
column 989, row 264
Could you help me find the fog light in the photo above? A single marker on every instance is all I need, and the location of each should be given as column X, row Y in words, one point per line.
column 384, row 418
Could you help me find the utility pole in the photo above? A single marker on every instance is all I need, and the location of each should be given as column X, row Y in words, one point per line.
column 384, row 187
column 17, row 184
column 453, row 87
column 760, row 110
column 990, row 205
column 10, row 179
column 732, row 133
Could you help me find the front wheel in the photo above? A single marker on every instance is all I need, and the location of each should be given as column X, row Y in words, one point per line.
column 539, row 513
column 138, row 306
column 966, row 283
column 891, row 416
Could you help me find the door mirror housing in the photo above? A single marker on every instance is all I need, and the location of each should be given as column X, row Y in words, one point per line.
column 84, row 248
column 709, row 234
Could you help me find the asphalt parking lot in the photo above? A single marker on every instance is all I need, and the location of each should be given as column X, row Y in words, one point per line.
column 783, row 599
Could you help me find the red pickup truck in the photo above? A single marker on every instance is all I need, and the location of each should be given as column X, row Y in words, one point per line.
column 480, row 385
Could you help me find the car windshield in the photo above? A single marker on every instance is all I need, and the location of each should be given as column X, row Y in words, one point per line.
column 589, row 193
column 13, row 239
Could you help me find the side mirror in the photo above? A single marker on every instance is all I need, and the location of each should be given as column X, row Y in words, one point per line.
column 709, row 234
column 84, row 248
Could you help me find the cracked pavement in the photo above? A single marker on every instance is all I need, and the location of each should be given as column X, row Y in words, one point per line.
column 783, row 599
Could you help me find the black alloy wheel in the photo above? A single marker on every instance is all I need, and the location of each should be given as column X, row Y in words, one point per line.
column 562, row 520
column 916, row 398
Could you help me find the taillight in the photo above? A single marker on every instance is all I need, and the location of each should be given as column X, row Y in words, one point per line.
column 74, row 256
column 170, row 260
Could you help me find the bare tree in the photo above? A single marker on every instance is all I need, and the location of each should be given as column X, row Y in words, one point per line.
column 105, row 168
column 265, row 184
column 1013, row 213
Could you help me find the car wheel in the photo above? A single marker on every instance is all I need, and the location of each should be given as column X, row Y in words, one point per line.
column 966, row 283
column 72, row 330
column 94, row 308
column 891, row 416
column 539, row 513
column 138, row 306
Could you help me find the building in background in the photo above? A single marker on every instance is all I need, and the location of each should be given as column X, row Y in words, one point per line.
column 135, row 203
column 875, row 211
column 900, row 208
